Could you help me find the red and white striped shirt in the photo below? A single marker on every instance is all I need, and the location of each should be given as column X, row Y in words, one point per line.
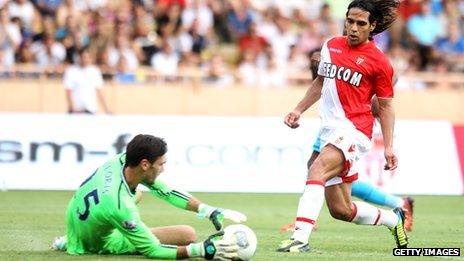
column 353, row 75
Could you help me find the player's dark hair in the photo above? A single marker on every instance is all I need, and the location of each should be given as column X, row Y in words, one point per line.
column 146, row 147
column 381, row 11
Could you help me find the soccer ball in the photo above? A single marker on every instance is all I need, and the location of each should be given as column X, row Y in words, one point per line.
column 246, row 240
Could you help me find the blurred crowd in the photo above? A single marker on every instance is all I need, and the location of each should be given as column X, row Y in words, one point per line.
column 222, row 42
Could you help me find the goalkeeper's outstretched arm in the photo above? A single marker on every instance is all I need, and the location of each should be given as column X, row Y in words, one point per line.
column 177, row 198
column 186, row 201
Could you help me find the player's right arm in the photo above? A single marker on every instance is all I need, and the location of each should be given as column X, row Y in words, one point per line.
column 312, row 95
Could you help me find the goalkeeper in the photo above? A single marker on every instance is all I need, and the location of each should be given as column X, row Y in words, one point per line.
column 102, row 217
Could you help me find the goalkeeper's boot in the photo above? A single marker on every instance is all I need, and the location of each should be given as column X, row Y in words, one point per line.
column 398, row 232
column 292, row 245
column 59, row 244
column 408, row 214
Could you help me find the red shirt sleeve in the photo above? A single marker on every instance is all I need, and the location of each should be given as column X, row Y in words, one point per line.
column 383, row 81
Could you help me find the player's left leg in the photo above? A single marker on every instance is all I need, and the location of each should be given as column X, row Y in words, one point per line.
column 328, row 164
column 340, row 205
column 302, row 206
column 372, row 194
column 180, row 235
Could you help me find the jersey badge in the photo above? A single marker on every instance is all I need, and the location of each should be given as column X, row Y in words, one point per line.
column 129, row 225
column 360, row 60
column 351, row 149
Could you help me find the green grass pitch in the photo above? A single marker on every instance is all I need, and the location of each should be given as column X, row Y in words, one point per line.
column 31, row 219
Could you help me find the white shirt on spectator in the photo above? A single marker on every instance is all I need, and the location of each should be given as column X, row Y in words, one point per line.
column 165, row 64
column 12, row 34
column 43, row 58
column 267, row 30
column 182, row 43
column 85, row 5
column 249, row 74
column 2, row 3
column 272, row 78
column 281, row 46
column 131, row 59
column 204, row 16
column 83, row 83
column 25, row 12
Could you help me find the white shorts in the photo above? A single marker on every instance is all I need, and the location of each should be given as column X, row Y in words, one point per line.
column 354, row 145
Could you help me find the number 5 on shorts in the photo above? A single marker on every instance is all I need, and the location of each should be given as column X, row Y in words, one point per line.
column 94, row 195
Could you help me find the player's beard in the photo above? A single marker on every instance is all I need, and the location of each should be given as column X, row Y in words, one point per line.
column 149, row 181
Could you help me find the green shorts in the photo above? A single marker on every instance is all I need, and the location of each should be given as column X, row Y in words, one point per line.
column 117, row 243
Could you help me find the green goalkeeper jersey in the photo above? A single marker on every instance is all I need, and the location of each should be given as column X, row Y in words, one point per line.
column 103, row 218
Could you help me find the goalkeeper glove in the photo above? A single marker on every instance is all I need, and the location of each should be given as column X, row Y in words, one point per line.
column 214, row 247
column 217, row 215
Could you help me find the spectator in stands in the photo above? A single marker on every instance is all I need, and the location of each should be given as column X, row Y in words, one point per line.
column 199, row 41
column 399, row 59
column 454, row 43
column 182, row 43
column 220, row 24
column 47, row 27
column 165, row 63
column 282, row 41
column 67, row 8
column 101, row 39
column 247, row 71
column 48, row 7
column 171, row 18
column 90, row 5
column 252, row 41
column 192, row 26
column 122, row 48
column 451, row 48
column 217, row 72
column 49, row 54
column 199, row 12
column 424, row 29
column 26, row 11
column 123, row 73
column 299, row 20
column 239, row 19
column 72, row 37
column 297, row 65
column 145, row 40
column 71, row 25
column 338, row 8
column 449, row 15
column 10, row 39
column 83, row 83
column 165, row 4
column 310, row 39
column 142, row 15
column 273, row 75
column 266, row 26
column 327, row 23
